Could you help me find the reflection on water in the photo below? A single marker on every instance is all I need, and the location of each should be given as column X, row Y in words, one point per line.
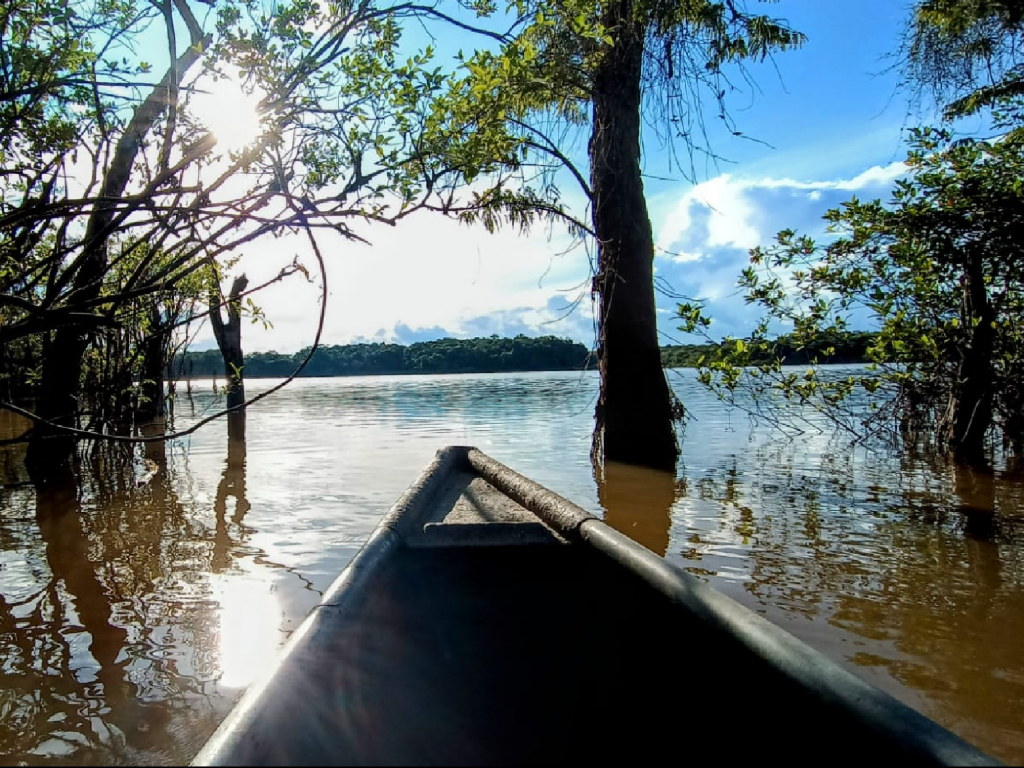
column 250, row 617
column 232, row 483
column 637, row 502
column 137, row 602
column 100, row 657
column 882, row 570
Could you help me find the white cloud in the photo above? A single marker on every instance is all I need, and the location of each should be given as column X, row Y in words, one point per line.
column 682, row 257
column 430, row 276
column 703, row 239
column 428, row 272
column 876, row 175
column 733, row 219
column 729, row 223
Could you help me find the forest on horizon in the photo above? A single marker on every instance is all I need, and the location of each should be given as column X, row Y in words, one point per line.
column 492, row 355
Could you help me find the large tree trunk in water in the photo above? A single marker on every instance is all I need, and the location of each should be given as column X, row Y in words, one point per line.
column 229, row 339
column 970, row 413
column 49, row 451
column 634, row 415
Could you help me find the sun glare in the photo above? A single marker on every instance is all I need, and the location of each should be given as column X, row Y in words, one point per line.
column 227, row 111
column 250, row 630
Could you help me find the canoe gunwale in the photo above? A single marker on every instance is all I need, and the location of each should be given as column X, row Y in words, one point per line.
column 558, row 512
column 797, row 661
column 800, row 662
column 809, row 668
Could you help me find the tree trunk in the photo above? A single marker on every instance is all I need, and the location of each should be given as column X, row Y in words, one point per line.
column 49, row 451
column 971, row 409
column 151, row 384
column 229, row 340
column 634, row 414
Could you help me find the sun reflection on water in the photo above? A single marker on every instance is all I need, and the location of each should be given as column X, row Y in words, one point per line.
column 251, row 620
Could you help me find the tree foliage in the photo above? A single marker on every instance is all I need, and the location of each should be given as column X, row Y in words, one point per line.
column 115, row 193
column 938, row 269
column 967, row 54
column 577, row 66
column 693, row 52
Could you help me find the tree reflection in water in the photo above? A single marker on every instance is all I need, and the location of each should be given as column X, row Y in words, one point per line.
column 109, row 622
column 232, row 483
column 637, row 502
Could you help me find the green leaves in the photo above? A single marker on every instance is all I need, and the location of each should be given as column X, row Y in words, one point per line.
column 965, row 53
column 938, row 270
column 693, row 318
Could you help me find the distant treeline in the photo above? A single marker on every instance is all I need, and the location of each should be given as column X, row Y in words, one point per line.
column 848, row 348
column 487, row 355
column 481, row 355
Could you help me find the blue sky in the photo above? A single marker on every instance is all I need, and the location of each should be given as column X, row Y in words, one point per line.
column 829, row 123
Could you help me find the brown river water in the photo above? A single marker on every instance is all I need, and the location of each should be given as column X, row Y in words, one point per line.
column 136, row 607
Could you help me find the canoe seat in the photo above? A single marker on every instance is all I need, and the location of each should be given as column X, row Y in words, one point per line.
column 495, row 534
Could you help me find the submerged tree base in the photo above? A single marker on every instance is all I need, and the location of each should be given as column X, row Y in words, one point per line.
column 639, row 434
column 50, row 459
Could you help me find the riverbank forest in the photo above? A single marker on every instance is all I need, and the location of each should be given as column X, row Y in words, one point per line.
column 825, row 349
column 481, row 355
column 492, row 355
